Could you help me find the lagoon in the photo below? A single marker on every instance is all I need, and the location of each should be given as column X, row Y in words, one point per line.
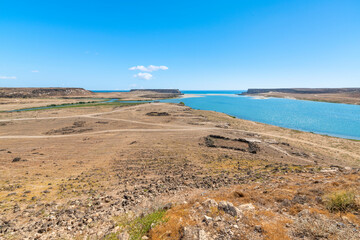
column 333, row 119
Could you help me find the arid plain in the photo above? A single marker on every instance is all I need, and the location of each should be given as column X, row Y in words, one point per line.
column 166, row 171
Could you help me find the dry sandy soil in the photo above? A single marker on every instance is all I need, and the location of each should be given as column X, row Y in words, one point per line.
column 77, row 173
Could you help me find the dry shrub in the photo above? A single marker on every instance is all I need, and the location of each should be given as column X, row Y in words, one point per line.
column 238, row 194
column 177, row 217
column 341, row 201
column 265, row 213
column 295, row 209
column 276, row 230
column 352, row 218
column 320, row 211
column 273, row 226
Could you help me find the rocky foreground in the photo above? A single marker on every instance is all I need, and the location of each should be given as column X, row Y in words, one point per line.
column 276, row 202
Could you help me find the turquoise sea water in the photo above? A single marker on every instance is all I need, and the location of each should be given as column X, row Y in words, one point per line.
column 334, row 119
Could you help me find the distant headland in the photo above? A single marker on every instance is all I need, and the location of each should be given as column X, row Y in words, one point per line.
column 173, row 91
column 302, row 90
column 335, row 95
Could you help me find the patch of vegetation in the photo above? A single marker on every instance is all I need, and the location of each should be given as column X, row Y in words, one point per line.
column 140, row 226
column 341, row 201
column 355, row 140
column 182, row 103
column 111, row 236
column 65, row 104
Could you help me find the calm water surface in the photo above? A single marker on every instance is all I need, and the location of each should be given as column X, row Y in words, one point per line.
column 340, row 120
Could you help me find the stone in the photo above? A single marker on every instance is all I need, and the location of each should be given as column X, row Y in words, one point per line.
column 207, row 219
column 167, row 206
column 230, row 209
column 193, row 233
column 17, row 159
column 246, row 207
column 301, row 199
column 258, row 229
column 208, row 203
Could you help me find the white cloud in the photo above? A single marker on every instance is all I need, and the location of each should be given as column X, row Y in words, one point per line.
column 7, row 77
column 150, row 68
column 35, row 71
column 146, row 76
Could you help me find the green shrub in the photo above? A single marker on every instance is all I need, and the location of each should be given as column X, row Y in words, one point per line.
column 111, row 236
column 341, row 201
column 182, row 103
column 140, row 226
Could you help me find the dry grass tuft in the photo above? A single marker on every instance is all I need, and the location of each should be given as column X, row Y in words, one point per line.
column 341, row 201
column 276, row 230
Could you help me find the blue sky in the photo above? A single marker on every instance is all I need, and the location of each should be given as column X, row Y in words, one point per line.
column 184, row 44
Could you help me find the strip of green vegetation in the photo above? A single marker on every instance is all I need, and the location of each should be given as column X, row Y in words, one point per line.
column 81, row 104
column 65, row 104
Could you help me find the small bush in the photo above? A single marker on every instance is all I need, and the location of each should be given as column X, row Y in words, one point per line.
column 341, row 201
column 182, row 103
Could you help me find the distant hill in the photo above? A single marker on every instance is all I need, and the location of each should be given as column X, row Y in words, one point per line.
column 42, row 92
column 174, row 91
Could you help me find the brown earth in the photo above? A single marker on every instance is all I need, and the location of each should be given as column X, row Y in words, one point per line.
column 74, row 173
